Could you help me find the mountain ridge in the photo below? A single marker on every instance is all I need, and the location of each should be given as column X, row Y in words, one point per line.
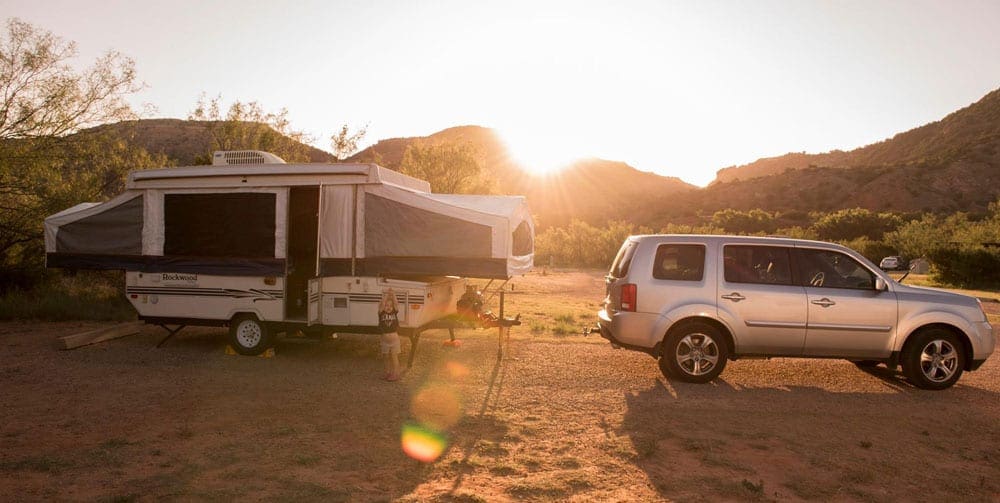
column 944, row 166
column 940, row 141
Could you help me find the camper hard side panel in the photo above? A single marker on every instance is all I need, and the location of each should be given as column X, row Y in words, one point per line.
column 201, row 299
column 353, row 301
column 204, row 297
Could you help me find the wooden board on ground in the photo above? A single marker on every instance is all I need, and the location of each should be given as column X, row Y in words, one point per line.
column 100, row 335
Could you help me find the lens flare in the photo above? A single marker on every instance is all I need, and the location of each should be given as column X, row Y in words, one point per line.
column 436, row 406
column 422, row 444
column 456, row 370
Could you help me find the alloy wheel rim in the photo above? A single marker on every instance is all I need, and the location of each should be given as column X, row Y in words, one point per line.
column 939, row 360
column 697, row 354
column 248, row 333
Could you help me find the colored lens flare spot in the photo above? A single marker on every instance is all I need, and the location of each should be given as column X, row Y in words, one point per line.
column 437, row 407
column 423, row 444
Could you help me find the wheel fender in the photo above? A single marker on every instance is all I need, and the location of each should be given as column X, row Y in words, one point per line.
column 910, row 326
column 669, row 319
column 236, row 312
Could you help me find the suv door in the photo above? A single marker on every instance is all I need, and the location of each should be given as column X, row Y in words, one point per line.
column 765, row 307
column 847, row 316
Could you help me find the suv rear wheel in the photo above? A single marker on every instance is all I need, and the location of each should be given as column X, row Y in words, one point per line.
column 934, row 359
column 695, row 353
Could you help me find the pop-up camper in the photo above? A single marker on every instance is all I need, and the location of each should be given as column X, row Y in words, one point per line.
column 265, row 247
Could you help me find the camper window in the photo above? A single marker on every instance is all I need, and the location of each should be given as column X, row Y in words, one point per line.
column 522, row 242
column 219, row 225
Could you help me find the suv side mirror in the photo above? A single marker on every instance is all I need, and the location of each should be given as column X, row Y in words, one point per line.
column 880, row 285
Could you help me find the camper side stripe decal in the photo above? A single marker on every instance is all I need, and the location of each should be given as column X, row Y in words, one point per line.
column 252, row 293
column 374, row 298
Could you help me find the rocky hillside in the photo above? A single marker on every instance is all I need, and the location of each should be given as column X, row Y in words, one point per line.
column 971, row 134
column 184, row 141
column 946, row 166
column 968, row 186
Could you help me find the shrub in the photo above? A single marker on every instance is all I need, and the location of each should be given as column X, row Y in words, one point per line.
column 968, row 266
column 872, row 250
column 583, row 245
column 755, row 221
column 855, row 223
column 89, row 295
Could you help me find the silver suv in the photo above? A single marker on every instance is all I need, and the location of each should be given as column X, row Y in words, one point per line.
column 695, row 302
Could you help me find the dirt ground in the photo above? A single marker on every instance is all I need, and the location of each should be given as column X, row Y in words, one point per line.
column 561, row 416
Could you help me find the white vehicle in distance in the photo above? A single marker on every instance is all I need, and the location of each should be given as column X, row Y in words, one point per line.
column 694, row 302
column 893, row 263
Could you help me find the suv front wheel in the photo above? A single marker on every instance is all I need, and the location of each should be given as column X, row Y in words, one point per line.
column 934, row 359
column 695, row 353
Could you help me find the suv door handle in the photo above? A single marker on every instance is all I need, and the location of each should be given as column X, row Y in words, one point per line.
column 735, row 297
column 825, row 302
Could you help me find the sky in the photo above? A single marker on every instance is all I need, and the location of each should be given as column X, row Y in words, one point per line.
column 678, row 88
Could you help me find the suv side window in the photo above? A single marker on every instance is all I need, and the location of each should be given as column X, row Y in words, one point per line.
column 768, row 265
column 679, row 262
column 831, row 269
column 619, row 268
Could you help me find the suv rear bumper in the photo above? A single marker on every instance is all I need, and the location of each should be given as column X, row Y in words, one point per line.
column 605, row 324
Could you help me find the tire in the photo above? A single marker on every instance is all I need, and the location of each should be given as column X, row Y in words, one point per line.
column 865, row 364
column 933, row 359
column 695, row 353
column 248, row 335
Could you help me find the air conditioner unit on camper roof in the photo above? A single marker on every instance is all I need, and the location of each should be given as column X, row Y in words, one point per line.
column 243, row 157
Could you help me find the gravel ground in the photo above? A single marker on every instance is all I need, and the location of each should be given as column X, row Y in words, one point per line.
column 557, row 418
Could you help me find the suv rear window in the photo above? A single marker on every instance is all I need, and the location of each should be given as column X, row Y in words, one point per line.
column 619, row 268
column 679, row 262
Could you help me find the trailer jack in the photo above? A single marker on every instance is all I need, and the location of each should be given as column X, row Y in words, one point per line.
column 170, row 333
column 468, row 319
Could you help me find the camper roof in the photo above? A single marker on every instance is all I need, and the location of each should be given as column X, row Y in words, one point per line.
column 271, row 175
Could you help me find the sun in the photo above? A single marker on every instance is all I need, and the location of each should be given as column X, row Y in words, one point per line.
column 542, row 154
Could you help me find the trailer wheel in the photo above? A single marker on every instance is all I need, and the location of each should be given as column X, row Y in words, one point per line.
column 248, row 335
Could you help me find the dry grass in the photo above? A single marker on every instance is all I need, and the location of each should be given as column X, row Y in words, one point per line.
column 562, row 416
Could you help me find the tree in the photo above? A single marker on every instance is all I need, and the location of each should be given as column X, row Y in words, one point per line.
column 345, row 143
column 583, row 245
column 845, row 225
column 49, row 160
column 247, row 126
column 450, row 168
column 44, row 98
column 745, row 222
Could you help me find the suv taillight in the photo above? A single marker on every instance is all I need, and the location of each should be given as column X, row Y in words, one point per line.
column 628, row 297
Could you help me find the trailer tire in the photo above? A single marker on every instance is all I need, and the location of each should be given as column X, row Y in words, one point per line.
column 248, row 335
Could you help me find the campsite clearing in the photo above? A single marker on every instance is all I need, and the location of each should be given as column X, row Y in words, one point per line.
column 563, row 416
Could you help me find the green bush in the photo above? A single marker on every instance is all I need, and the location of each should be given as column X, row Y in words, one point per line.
column 966, row 266
column 872, row 250
column 583, row 245
column 755, row 221
column 855, row 223
column 89, row 295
